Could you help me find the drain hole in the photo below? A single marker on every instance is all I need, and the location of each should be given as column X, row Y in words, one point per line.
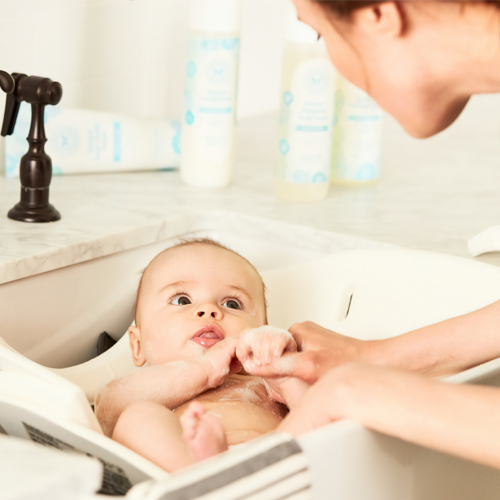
column 349, row 306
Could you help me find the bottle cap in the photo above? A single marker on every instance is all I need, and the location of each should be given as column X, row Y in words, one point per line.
column 215, row 16
column 300, row 32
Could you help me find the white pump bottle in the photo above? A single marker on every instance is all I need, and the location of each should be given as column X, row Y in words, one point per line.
column 306, row 115
column 357, row 136
column 208, row 127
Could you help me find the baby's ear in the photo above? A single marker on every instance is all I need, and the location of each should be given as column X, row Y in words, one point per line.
column 134, row 336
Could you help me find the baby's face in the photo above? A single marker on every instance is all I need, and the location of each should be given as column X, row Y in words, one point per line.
column 193, row 297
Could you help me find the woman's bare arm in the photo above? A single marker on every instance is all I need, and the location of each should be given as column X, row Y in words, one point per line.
column 441, row 349
column 444, row 348
column 461, row 420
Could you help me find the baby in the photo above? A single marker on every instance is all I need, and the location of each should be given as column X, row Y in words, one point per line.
column 200, row 316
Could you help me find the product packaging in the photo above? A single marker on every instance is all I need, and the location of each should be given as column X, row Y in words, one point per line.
column 208, row 127
column 357, row 136
column 306, row 115
column 87, row 141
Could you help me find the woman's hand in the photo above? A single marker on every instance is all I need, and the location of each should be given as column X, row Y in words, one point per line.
column 260, row 350
column 324, row 349
column 318, row 351
column 306, row 351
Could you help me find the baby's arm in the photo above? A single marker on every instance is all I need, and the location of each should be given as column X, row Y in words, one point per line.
column 170, row 384
column 262, row 349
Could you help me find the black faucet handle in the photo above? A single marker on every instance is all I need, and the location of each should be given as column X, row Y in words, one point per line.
column 33, row 90
column 12, row 105
column 37, row 89
column 7, row 83
column 10, row 115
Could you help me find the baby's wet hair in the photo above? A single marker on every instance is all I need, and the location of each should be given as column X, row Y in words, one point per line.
column 184, row 242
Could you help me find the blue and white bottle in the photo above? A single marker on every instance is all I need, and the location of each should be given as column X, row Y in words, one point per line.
column 357, row 136
column 306, row 115
column 209, row 122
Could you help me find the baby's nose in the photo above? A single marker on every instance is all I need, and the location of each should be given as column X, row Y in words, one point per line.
column 209, row 311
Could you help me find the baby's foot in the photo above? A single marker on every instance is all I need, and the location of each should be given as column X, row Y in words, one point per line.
column 202, row 432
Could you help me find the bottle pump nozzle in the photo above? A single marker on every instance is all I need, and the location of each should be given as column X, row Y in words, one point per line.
column 36, row 165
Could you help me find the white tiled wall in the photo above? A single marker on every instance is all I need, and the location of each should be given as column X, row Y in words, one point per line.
column 128, row 55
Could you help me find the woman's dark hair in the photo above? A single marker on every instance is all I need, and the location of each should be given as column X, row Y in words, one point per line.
column 344, row 8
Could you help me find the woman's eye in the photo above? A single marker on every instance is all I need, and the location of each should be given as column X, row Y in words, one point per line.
column 180, row 300
column 232, row 304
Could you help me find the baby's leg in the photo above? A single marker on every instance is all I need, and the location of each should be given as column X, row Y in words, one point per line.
column 154, row 432
column 157, row 434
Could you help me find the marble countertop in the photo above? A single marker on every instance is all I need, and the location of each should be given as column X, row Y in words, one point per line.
column 432, row 195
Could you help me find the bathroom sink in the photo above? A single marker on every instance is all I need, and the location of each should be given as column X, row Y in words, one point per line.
column 360, row 288
column 55, row 318
column 356, row 287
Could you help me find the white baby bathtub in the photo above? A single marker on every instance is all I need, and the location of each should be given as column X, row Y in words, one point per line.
column 363, row 292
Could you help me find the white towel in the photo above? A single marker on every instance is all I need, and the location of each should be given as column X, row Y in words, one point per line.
column 486, row 241
column 30, row 470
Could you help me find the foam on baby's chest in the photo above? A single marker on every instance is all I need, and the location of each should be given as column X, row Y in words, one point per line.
column 244, row 389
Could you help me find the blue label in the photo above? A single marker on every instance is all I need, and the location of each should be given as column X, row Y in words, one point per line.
column 300, row 177
column 176, row 141
column 211, row 44
column 11, row 164
column 215, row 111
column 57, row 170
column 284, row 147
column 230, row 43
column 65, row 140
column 189, row 117
column 117, row 141
column 366, row 172
column 191, row 69
column 288, row 98
column 51, row 112
column 319, row 178
column 310, row 128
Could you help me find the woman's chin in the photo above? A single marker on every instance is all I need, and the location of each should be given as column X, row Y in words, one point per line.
column 426, row 124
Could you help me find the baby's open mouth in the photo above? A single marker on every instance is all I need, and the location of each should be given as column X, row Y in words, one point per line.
column 208, row 335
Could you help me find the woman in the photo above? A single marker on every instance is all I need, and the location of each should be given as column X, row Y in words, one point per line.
column 421, row 62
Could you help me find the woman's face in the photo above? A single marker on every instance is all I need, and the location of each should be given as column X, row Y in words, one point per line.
column 409, row 65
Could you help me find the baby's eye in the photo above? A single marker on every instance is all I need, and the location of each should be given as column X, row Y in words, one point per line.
column 180, row 300
column 232, row 304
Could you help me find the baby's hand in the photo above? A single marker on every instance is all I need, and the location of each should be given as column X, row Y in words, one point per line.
column 260, row 349
column 266, row 352
column 221, row 361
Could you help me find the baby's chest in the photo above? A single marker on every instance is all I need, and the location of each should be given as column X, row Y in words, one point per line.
column 247, row 390
column 242, row 406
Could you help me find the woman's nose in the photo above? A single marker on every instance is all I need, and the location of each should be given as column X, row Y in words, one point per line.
column 209, row 311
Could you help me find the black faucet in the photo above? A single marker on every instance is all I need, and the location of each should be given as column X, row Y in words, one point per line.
column 36, row 165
